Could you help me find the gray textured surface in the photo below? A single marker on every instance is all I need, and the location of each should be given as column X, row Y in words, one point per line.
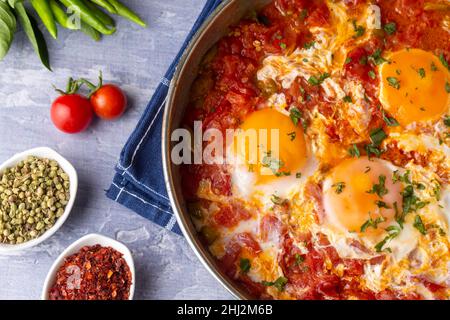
column 136, row 58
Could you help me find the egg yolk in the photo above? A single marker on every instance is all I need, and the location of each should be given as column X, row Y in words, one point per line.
column 413, row 86
column 270, row 145
column 358, row 190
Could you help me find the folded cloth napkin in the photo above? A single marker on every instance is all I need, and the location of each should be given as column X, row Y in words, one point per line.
column 139, row 182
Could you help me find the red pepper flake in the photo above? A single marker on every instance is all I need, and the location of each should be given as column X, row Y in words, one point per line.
column 94, row 273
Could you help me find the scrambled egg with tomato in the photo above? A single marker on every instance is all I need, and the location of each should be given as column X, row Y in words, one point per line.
column 355, row 203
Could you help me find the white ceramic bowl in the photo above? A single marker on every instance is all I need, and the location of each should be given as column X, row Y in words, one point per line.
column 48, row 153
column 89, row 240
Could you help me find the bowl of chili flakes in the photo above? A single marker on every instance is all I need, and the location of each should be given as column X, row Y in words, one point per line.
column 94, row 267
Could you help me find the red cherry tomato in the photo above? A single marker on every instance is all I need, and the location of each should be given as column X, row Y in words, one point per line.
column 71, row 113
column 109, row 102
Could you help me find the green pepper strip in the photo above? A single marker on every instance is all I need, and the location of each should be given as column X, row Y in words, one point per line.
column 42, row 8
column 88, row 16
column 127, row 13
column 91, row 32
column 103, row 17
column 105, row 5
column 61, row 16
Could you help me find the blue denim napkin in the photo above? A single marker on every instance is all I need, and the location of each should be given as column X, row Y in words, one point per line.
column 139, row 182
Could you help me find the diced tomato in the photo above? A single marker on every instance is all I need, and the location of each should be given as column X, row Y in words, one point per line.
column 230, row 216
column 271, row 228
column 391, row 295
column 352, row 289
column 433, row 287
column 353, row 2
column 314, row 191
column 319, row 14
column 234, row 248
column 357, row 66
column 410, row 8
column 246, row 240
column 289, row 7
column 228, row 262
column 191, row 176
column 330, row 288
column 353, row 267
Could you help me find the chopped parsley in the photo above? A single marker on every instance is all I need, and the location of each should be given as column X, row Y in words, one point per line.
column 245, row 265
column 420, row 186
column 379, row 188
column 390, row 122
column 393, row 232
column 309, row 45
column 274, row 164
column 418, row 224
column 348, row 60
column 372, row 223
column 411, row 202
column 402, row 178
column 390, row 28
column 297, row 116
column 421, row 72
column 292, row 135
column 283, row 45
column 354, row 151
column 433, row 67
column 303, row 14
column 376, row 58
column 359, row 30
column 397, row 213
column 317, row 80
column 377, row 136
column 382, row 204
column 280, row 283
column 277, row 200
column 447, row 87
column 372, row 74
column 339, row 187
column 348, row 99
column 393, row 82
column 447, row 121
column 437, row 190
column 299, row 259
column 444, row 61
column 363, row 60
column 373, row 150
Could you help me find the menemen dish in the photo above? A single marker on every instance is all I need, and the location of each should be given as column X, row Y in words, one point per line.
column 355, row 204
